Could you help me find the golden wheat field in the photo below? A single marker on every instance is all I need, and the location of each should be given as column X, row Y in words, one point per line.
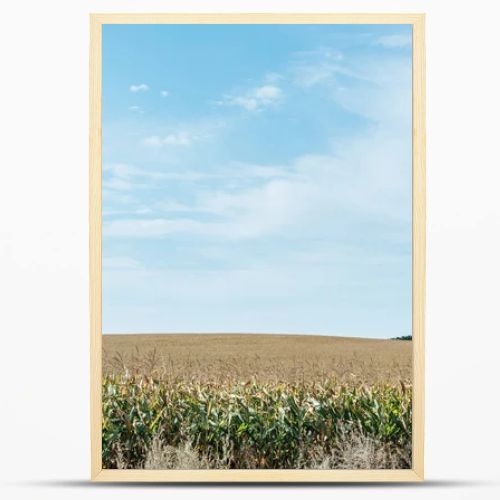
column 260, row 357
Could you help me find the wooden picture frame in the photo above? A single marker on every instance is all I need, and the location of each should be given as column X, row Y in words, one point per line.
column 418, row 287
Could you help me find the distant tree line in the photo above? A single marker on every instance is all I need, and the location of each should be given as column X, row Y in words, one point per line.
column 404, row 337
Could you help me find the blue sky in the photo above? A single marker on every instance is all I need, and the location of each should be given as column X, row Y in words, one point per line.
column 257, row 178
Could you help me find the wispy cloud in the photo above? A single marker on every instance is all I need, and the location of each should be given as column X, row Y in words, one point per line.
column 298, row 197
column 121, row 176
column 379, row 90
column 315, row 67
column 182, row 138
column 273, row 77
column 136, row 109
column 141, row 87
column 186, row 134
column 122, row 184
column 164, row 93
column 394, row 41
column 120, row 263
column 125, row 171
column 255, row 99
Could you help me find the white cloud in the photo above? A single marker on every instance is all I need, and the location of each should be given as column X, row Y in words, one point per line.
column 118, row 184
column 164, row 93
column 182, row 138
column 248, row 213
column 241, row 170
column 324, row 52
column 255, row 99
column 144, row 228
column 121, row 181
column 378, row 90
column 126, row 172
column 136, row 109
column 120, row 177
column 301, row 196
column 120, row 263
column 173, row 206
column 394, row 41
column 267, row 94
column 121, row 170
column 187, row 134
column 141, row 87
column 112, row 196
column 318, row 190
column 315, row 67
column 295, row 198
column 273, row 77
column 153, row 140
column 143, row 210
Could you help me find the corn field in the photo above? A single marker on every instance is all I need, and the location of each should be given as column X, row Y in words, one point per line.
column 155, row 423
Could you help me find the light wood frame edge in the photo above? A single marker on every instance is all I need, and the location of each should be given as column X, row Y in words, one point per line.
column 95, row 253
column 419, row 246
column 95, row 242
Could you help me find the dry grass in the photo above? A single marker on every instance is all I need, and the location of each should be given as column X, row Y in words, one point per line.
column 355, row 452
column 205, row 358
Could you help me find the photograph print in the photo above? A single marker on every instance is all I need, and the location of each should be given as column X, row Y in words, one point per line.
column 257, row 246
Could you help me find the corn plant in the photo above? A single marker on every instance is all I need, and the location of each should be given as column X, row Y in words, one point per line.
column 263, row 425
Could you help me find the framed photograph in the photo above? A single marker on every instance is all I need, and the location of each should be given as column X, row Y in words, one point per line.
column 257, row 247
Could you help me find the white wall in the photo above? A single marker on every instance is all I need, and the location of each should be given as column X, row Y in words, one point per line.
column 43, row 247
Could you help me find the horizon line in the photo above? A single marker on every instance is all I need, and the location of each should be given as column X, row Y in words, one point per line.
column 260, row 333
